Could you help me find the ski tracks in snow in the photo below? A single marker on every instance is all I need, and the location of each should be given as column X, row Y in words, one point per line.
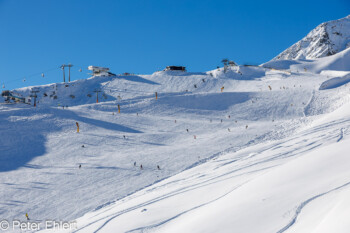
column 304, row 203
column 176, row 216
column 302, row 147
column 341, row 135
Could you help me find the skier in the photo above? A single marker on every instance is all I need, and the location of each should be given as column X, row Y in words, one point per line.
column 187, row 130
column 83, row 146
column 158, row 167
column 141, row 167
column 135, row 164
column 79, row 166
column 77, row 126
column 27, row 217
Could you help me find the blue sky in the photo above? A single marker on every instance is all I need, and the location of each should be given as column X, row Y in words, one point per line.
column 142, row 36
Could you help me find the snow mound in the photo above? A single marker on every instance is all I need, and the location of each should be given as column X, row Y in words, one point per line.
column 335, row 82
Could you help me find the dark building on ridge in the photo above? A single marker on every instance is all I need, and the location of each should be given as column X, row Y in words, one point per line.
column 177, row 68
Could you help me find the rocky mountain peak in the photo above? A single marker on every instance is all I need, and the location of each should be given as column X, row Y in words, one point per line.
column 326, row 39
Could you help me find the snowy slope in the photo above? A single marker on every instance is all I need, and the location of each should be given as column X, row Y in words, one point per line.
column 204, row 140
column 298, row 184
column 326, row 39
column 337, row 62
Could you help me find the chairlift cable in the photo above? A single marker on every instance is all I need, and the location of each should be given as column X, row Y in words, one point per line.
column 31, row 75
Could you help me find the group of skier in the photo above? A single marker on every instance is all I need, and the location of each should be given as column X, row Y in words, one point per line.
column 141, row 167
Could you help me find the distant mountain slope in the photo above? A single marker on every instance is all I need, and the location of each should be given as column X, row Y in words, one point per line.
column 326, row 39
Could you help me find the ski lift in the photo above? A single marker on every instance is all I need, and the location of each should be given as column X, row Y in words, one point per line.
column 80, row 70
column 42, row 75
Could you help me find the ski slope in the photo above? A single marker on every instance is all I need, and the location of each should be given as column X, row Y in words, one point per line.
column 298, row 184
column 259, row 155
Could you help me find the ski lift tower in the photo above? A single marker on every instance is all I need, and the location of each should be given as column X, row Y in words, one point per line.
column 34, row 95
column 64, row 73
column 97, row 91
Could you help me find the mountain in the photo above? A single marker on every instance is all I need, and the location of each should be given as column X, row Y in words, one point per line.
column 326, row 39
column 270, row 152
column 249, row 149
column 243, row 146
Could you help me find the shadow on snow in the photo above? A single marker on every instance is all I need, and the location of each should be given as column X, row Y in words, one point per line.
column 18, row 147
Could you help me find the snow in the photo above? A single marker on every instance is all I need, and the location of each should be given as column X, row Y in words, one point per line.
column 326, row 39
column 297, row 184
column 266, row 153
column 335, row 82
column 336, row 63
column 269, row 185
